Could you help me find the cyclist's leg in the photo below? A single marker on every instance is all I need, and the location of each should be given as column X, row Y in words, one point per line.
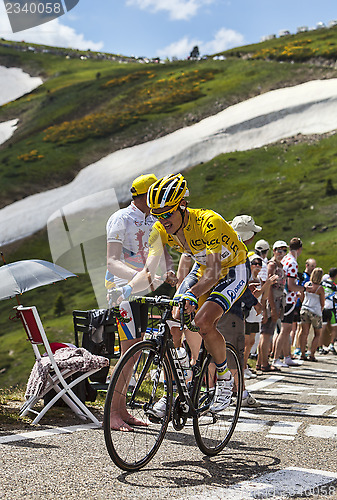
column 129, row 333
column 224, row 294
column 193, row 340
column 206, row 319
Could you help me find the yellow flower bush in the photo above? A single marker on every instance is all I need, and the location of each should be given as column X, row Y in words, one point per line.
column 121, row 80
column 293, row 51
column 33, row 155
column 154, row 97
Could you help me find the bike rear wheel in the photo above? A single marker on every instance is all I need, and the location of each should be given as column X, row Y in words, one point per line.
column 213, row 430
column 130, row 396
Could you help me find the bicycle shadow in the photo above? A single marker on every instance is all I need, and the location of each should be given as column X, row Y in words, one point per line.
column 236, row 463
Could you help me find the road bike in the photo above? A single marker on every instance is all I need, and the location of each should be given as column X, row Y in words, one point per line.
column 151, row 369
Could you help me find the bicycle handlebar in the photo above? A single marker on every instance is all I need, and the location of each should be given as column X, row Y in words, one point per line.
column 163, row 302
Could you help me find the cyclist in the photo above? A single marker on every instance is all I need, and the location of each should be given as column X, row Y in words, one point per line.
column 217, row 280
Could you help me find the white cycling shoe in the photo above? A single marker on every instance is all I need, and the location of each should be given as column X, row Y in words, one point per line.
column 223, row 395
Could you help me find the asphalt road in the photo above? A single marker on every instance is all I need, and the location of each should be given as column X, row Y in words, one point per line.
column 287, row 448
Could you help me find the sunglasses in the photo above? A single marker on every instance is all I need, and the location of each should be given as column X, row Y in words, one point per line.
column 165, row 215
column 256, row 263
column 280, row 250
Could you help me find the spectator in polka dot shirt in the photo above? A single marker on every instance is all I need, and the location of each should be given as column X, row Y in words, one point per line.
column 290, row 267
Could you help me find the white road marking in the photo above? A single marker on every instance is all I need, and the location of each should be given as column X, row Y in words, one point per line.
column 284, row 430
column 257, row 386
column 292, row 481
column 250, row 425
column 321, row 431
column 312, row 372
column 43, row 433
column 316, row 410
column 279, row 430
column 281, row 436
column 289, row 389
column 302, row 409
column 326, row 391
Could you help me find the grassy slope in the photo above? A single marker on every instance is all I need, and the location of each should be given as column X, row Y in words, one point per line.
column 302, row 46
column 283, row 185
column 72, row 91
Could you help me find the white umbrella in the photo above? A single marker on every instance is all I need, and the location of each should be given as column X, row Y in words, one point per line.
column 23, row 275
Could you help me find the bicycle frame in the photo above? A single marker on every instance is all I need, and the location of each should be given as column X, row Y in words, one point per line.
column 166, row 347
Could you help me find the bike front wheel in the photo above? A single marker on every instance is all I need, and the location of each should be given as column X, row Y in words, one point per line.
column 132, row 393
column 213, row 430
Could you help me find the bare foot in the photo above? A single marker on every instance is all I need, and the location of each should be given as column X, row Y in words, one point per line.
column 117, row 424
column 134, row 421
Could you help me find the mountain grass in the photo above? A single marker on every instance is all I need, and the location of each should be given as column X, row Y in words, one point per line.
column 88, row 108
column 308, row 45
column 290, row 188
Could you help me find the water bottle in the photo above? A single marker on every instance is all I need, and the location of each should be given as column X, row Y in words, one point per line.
column 185, row 363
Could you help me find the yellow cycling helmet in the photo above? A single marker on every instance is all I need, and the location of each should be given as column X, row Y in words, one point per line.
column 167, row 192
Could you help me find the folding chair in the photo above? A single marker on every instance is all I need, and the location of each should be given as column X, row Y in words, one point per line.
column 56, row 378
column 103, row 341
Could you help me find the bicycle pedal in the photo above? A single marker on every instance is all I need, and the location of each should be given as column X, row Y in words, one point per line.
column 153, row 419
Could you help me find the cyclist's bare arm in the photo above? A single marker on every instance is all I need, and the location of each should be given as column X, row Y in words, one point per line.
column 209, row 278
column 184, row 267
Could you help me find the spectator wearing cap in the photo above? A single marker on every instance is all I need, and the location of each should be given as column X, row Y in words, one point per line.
column 262, row 249
column 246, row 228
column 290, row 267
column 128, row 231
column 304, row 277
column 231, row 325
column 260, row 291
column 274, row 306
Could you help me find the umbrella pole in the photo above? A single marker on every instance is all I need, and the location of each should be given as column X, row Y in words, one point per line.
column 3, row 259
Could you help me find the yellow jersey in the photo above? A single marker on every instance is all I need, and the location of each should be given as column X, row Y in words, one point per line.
column 206, row 233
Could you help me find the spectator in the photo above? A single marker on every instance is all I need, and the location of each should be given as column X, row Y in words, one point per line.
column 290, row 267
column 274, row 307
column 262, row 249
column 329, row 311
column 311, row 312
column 231, row 325
column 260, row 291
column 128, row 231
column 246, row 228
column 304, row 277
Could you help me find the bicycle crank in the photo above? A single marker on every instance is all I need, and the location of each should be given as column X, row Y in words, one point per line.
column 179, row 417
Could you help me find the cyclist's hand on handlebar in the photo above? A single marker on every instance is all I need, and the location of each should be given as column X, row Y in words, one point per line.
column 191, row 301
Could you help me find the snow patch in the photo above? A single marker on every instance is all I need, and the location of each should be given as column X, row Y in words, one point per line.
column 15, row 83
column 309, row 108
